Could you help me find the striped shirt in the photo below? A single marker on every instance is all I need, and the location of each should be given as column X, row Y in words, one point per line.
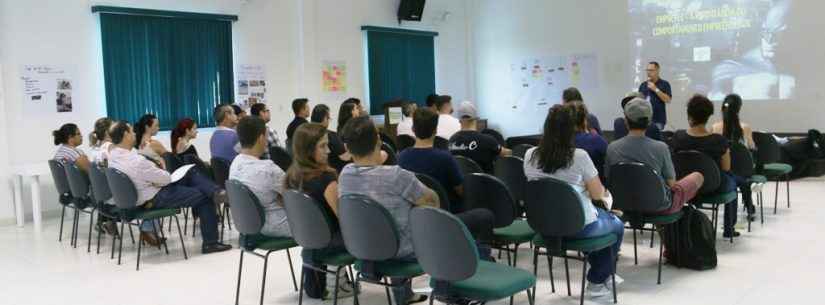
column 67, row 154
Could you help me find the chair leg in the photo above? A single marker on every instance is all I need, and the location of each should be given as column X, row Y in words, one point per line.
column 652, row 235
column 75, row 220
column 131, row 233
column 300, row 291
column 180, row 234
column 263, row 280
column 615, row 267
column 387, row 289
column 140, row 245
column 335, row 291
column 98, row 237
column 120, row 236
column 635, row 254
column 659, row 280
column 355, row 286
column 291, row 270
column 162, row 237
column 240, row 270
column 567, row 275
column 535, row 267
column 552, row 280
column 584, row 276
column 761, row 206
column 531, row 298
column 120, row 247
column 62, row 217
column 776, row 197
column 91, row 222
column 788, row 189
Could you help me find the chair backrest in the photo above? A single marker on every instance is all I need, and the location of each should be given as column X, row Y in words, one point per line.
column 307, row 221
column 123, row 189
column 246, row 209
column 387, row 140
column 439, row 190
column 61, row 182
column 78, row 182
column 741, row 160
column 281, row 157
column 172, row 161
column 392, row 157
column 767, row 149
column 488, row 192
column 441, row 143
column 289, row 145
column 510, row 169
column 496, row 135
column 443, row 246
column 689, row 161
column 521, row 149
column 405, row 141
column 636, row 187
column 553, row 208
column 369, row 231
column 467, row 165
column 100, row 187
column 220, row 168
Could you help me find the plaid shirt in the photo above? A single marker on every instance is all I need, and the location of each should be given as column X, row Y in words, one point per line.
column 272, row 140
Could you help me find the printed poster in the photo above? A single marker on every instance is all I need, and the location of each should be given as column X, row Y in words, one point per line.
column 251, row 85
column 46, row 87
column 334, row 76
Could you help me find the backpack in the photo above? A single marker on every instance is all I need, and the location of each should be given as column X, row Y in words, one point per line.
column 691, row 241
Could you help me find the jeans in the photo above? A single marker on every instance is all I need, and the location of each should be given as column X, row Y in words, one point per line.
column 315, row 282
column 603, row 262
column 729, row 185
column 194, row 191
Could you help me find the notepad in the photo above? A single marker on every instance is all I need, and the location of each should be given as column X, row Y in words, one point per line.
column 181, row 172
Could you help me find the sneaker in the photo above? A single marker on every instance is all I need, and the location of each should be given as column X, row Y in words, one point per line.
column 345, row 288
column 215, row 248
column 219, row 197
column 609, row 281
column 594, row 290
column 728, row 234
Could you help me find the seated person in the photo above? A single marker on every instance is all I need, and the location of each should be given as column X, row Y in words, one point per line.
column 147, row 127
column 338, row 155
column 573, row 94
column 405, row 127
column 591, row 142
column 239, row 112
column 155, row 190
column 300, row 107
column 398, row 190
column 100, row 142
column 224, row 142
column 262, row 111
column 262, row 177
column 620, row 128
column 181, row 138
column 448, row 125
column 636, row 147
column 311, row 174
column 67, row 139
column 423, row 158
column 699, row 138
column 739, row 132
column 470, row 143
column 557, row 157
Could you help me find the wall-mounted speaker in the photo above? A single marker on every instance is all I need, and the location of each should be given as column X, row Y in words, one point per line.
column 410, row 10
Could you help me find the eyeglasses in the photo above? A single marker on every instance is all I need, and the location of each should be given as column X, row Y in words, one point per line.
column 651, row 70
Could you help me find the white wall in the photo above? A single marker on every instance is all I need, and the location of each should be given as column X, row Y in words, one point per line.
column 504, row 32
column 289, row 37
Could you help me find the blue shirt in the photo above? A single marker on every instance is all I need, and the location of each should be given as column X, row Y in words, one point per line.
column 596, row 148
column 436, row 163
column 223, row 144
column 659, row 112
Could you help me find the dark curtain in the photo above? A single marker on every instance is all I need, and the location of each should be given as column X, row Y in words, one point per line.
column 171, row 67
column 401, row 65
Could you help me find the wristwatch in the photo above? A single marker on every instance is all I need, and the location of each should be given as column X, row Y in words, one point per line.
column 657, row 90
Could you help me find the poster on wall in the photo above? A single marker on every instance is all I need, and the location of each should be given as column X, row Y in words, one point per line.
column 46, row 87
column 537, row 83
column 251, row 85
column 334, row 76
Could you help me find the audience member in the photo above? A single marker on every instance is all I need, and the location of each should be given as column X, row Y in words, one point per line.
column 262, row 177
column 448, row 125
column 636, row 147
column 740, row 132
column 300, row 107
column 155, row 190
column 181, row 139
column 557, row 157
column 620, row 127
column 591, row 142
column 224, row 142
column 572, row 94
column 470, row 143
column 358, row 106
column 239, row 111
column 338, row 155
column 67, row 139
column 699, row 138
column 431, row 101
column 346, row 112
column 262, row 111
column 311, row 174
column 423, row 158
column 405, row 126
column 100, row 142
column 147, row 127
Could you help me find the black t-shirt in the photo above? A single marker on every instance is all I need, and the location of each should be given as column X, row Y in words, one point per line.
column 316, row 187
column 336, row 148
column 714, row 145
column 296, row 122
column 477, row 146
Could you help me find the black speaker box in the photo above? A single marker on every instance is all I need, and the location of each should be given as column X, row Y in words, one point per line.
column 410, row 10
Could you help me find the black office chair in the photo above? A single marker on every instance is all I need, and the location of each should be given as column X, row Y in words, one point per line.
column 79, row 186
column 768, row 155
column 220, row 168
column 281, row 157
column 125, row 195
column 249, row 219
column 639, row 193
column 101, row 193
column 488, row 192
column 312, row 229
column 65, row 198
column 173, row 161
column 554, row 211
column 439, row 190
column 392, row 157
column 521, row 149
column 510, row 170
column 389, row 141
column 742, row 165
column 441, row 143
column 371, row 236
column 404, row 142
column 468, row 166
column 496, row 135
column 687, row 162
column 447, row 251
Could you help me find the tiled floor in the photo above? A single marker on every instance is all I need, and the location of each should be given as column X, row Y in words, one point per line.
column 780, row 262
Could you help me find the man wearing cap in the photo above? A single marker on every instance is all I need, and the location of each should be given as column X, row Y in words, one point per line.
column 636, row 147
column 620, row 126
column 470, row 143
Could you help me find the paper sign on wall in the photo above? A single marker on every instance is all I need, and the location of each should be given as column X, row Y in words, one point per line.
column 251, row 85
column 45, row 85
column 539, row 82
column 334, row 76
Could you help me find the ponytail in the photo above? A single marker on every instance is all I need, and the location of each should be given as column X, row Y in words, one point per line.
column 730, row 118
column 179, row 131
column 62, row 135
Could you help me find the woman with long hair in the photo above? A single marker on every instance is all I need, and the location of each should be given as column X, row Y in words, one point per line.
column 588, row 139
column 557, row 157
column 736, row 131
column 346, row 113
column 181, row 139
column 99, row 140
column 67, row 139
column 147, row 127
column 311, row 173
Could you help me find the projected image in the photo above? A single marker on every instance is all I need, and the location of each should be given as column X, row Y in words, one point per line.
column 714, row 46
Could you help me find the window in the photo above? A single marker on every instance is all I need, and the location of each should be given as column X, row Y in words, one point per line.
column 400, row 64
column 171, row 64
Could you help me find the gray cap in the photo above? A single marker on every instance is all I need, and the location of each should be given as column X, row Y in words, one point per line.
column 638, row 109
column 466, row 110
column 634, row 93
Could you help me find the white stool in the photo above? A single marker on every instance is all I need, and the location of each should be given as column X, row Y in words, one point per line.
column 33, row 172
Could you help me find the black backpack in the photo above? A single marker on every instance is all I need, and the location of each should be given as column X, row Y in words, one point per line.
column 691, row 241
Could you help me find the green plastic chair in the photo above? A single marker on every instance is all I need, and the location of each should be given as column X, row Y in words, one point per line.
column 707, row 198
column 447, row 251
column 768, row 154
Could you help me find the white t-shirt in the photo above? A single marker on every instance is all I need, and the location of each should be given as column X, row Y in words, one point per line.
column 266, row 181
column 580, row 171
column 448, row 125
column 405, row 127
